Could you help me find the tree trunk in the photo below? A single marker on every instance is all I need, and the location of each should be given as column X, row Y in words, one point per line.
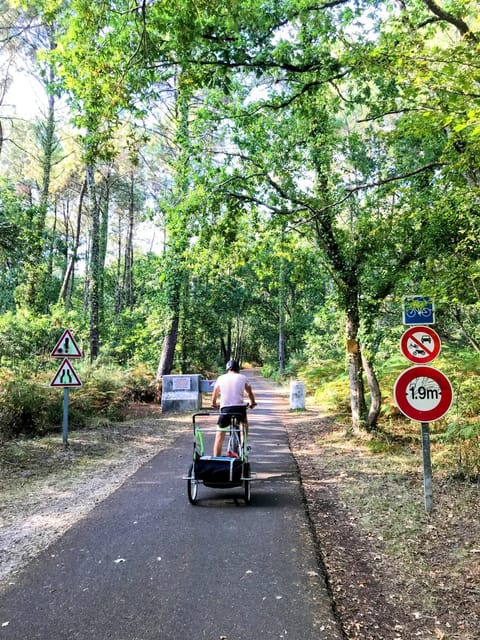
column 51, row 247
column 73, row 258
column 48, row 140
column 224, row 350
column 458, row 317
column 103, row 206
column 94, row 271
column 281, row 317
column 229, row 341
column 168, row 350
column 128, row 263
column 119, row 297
column 355, row 373
column 375, row 395
column 37, row 285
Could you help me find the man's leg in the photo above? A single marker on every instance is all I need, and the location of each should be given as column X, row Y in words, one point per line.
column 244, row 430
column 217, row 446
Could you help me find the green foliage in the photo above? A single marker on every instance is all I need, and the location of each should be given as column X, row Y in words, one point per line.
column 16, row 217
column 27, row 407
column 327, row 383
column 334, row 396
column 27, row 338
column 299, row 175
column 102, row 394
column 462, row 431
column 463, row 436
column 140, row 384
column 325, row 338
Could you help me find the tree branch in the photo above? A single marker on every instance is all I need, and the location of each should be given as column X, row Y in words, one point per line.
column 403, row 176
column 315, row 213
column 458, row 23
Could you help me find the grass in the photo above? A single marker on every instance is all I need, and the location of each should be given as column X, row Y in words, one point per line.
column 420, row 569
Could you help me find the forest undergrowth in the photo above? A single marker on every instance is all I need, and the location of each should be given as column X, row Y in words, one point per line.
column 394, row 571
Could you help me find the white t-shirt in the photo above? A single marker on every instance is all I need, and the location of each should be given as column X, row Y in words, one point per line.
column 232, row 387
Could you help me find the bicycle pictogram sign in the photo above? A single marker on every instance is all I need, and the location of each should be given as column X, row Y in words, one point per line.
column 418, row 310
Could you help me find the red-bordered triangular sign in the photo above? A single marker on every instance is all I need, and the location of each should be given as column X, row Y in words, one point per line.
column 66, row 347
column 66, row 376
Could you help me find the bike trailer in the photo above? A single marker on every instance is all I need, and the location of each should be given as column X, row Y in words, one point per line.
column 219, row 471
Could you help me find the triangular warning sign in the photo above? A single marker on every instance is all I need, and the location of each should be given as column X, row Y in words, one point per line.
column 66, row 347
column 66, row 376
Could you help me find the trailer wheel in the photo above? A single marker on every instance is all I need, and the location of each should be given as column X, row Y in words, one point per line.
column 246, row 483
column 192, row 486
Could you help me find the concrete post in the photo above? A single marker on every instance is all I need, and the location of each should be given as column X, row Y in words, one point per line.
column 181, row 393
column 297, row 395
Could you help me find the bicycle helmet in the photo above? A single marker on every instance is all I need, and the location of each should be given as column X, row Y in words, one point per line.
column 232, row 365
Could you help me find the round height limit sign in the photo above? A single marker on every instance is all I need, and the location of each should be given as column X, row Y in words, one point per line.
column 423, row 393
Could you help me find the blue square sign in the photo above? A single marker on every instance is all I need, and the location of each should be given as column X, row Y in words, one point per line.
column 418, row 310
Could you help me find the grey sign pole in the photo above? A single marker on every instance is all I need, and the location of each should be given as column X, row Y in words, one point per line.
column 427, row 467
column 66, row 391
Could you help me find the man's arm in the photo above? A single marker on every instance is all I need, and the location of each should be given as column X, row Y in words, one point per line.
column 216, row 393
column 251, row 397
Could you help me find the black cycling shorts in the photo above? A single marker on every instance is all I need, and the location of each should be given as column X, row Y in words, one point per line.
column 225, row 417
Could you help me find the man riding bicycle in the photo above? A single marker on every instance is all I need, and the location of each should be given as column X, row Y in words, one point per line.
column 231, row 387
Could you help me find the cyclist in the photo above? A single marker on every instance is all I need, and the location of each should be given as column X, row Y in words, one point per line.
column 231, row 387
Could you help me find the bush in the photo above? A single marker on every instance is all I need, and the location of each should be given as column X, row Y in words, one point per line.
column 27, row 339
column 464, row 438
column 103, row 394
column 334, row 395
column 27, row 408
column 30, row 407
column 271, row 371
column 140, row 384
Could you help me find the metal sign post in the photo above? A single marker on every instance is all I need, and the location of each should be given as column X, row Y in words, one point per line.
column 421, row 392
column 427, row 467
column 66, row 376
column 66, row 394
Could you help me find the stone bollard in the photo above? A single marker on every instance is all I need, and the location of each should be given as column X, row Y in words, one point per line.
column 181, row 393
column 297, row 395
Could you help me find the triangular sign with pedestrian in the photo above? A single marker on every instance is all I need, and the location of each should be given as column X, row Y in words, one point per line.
column 66, row 347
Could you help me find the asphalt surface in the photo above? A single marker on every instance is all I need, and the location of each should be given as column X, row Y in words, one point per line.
column 145, row 564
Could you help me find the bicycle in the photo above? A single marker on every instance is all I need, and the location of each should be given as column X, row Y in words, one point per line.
column 220, row 472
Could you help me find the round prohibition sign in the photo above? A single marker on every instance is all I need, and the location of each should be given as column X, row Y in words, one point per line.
column 420, row 344
column 423, row 393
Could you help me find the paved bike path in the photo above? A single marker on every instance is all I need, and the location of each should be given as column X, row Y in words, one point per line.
column 145, row 564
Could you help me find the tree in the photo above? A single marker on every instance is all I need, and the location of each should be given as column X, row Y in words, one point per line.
column 27, row 32
column 301, row 159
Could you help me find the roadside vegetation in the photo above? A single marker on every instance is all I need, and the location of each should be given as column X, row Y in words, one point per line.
column 395, row 571
column 268, row 181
